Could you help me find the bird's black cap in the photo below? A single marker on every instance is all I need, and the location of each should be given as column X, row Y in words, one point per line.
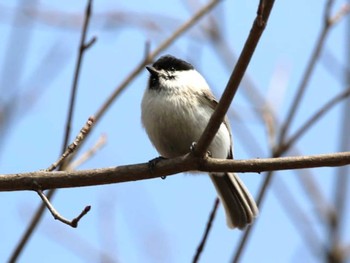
column 170, row 63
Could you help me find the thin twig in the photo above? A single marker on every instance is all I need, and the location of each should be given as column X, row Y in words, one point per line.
column 346, row 251
column 306, row 179
column 336, row 226
column 334, row 66
column 57, row 216
column 207, row 230
column 88, row 154
column 295, row 104
column 343, row 11
column 308, row 72
column 135, row 172
column 311, row 121
column 15, row 54
column 298, row 217
column 40, row 211
column 82, row 48
column 243, row 241
column 29, row 231
column 90, row 43
column 100, row 142
column 178, row 32
column 72, row 147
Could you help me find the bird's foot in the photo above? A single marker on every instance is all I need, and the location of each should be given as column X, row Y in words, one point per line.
column 193, row 146
column 152, row 164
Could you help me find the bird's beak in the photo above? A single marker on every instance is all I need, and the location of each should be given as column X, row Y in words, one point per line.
column 153, row 71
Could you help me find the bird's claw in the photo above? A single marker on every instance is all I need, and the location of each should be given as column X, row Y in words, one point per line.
column 193, row 146
column 152, row 164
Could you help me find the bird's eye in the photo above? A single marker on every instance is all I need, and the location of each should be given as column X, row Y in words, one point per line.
column 153, row 82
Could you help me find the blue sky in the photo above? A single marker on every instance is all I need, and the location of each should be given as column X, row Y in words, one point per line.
column 156, row 220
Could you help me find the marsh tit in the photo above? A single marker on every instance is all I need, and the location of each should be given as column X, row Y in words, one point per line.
column 176, row 108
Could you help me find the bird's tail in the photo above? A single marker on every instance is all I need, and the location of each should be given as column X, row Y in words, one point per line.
column 240, row 207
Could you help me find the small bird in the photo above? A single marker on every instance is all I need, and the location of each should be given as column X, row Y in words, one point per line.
column 176, row 108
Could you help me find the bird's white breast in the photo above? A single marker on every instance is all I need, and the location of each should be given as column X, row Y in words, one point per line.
column 174, row 118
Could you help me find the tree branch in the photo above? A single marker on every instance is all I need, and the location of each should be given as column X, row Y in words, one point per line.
column 151, row 56
column 320, row 43
column 207, row 230
column 127, row 173
column 309, row 123
column 291, row 114
column 57, row 216
column 101, row 141
column 72, row 147
column 218, row 116
column 40, row 211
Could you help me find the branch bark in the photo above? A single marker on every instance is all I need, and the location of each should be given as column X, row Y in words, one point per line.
column 237, row 74
column 127, row 173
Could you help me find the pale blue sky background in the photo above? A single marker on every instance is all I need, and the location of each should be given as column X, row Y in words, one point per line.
column 155, row 220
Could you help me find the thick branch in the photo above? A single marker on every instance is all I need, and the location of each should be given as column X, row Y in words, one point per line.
column 235, row 78
column 128, row 173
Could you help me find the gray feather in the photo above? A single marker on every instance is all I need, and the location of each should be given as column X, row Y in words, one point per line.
column 239, row 205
